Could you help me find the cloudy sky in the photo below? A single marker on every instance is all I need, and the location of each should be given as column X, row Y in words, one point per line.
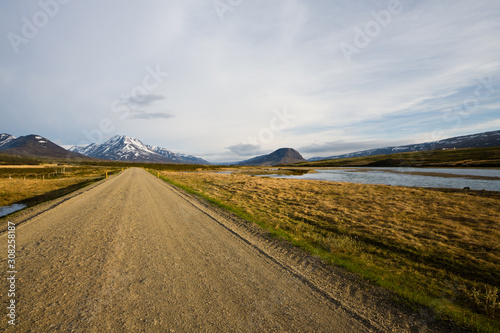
column 229, row 79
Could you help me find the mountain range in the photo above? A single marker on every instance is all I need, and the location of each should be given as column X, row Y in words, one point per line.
column 124, row 148
column 486, row 139
column 118, row 148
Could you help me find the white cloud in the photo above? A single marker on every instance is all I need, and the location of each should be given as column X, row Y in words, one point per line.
column 245, row 149
column 226, row 77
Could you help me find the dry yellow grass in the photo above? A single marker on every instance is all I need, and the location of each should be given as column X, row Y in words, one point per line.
column 36, row 166
column 16, row 185
column 15, row 190
column 438, row 248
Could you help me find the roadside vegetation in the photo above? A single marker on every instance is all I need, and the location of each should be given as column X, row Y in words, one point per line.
column 34, row 184
column 469, row 157
column 156, row 166
column 434, row 248
column 31, row 181
column 6, row 159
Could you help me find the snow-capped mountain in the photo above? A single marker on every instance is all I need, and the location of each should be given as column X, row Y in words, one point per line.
column 486, row 139
column 33, row 146
column 177, row 157
column 6, row 138
column 124, row 148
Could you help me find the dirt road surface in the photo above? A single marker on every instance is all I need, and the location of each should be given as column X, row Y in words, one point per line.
column 133, row 254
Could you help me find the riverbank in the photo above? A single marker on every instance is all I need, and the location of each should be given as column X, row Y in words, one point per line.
column 474, row 179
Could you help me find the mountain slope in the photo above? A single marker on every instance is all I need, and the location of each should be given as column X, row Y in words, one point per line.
column 177, row 157
column 33, row 146
column 124, row 148
column 280, row 156
column 480, row 140
column 5, row 138
column 119, row 148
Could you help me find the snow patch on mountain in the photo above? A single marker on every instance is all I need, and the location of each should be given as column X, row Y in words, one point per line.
column 6, row 138
column 125, row 148
column 486, row 139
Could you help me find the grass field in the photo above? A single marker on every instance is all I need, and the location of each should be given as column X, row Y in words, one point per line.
column 434, row 248
column 470, row 157
column 6, row 159
column 34, row 184
column 34, row 180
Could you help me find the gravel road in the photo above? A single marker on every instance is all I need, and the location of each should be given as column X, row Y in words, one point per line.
column 132, row 253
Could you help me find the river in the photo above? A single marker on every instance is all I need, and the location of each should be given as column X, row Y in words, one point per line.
column 450, row 178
